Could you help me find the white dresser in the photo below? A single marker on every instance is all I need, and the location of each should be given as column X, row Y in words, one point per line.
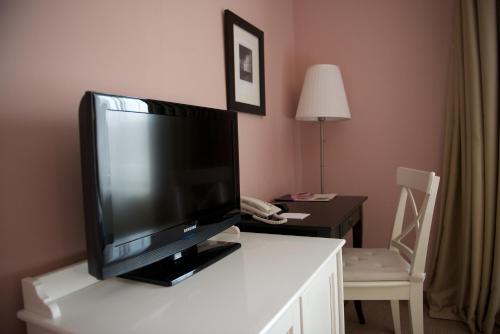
column 273, row 284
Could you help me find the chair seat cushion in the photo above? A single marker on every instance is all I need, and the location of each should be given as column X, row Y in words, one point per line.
column 374, row 264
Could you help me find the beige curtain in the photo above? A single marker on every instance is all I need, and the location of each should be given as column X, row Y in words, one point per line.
column 465, row 284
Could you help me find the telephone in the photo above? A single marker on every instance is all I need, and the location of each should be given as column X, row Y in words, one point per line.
column 261, row 211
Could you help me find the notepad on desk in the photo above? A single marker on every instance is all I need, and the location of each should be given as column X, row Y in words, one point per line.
column 293, row 215
column 307, row 197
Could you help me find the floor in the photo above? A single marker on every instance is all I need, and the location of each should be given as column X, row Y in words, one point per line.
column 379, row 320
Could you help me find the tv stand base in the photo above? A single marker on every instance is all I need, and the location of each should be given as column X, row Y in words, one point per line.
column 178, row 267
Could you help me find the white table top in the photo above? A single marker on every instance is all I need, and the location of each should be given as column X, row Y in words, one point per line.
column 242, row 293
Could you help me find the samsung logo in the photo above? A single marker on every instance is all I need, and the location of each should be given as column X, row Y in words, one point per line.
column 190, row 228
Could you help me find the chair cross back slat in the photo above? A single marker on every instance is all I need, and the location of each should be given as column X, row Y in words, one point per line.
column 413, row 202
column 414, row 224
column 402, row 248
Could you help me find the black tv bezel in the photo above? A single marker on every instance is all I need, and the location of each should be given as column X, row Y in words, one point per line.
column 177, row 240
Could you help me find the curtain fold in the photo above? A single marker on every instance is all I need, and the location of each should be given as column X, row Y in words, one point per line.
column 465, row 284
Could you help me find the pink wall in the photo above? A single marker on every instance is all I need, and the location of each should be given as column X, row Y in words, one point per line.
column 393, row 55
column 52, row 51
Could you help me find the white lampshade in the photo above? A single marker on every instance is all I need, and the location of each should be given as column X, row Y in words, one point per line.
column 323, row 95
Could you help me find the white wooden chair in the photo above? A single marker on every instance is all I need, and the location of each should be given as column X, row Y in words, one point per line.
column 397, row 273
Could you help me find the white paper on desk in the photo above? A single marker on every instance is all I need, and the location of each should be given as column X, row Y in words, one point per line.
column 292, row 215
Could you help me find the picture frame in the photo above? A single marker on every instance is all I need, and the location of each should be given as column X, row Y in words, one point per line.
column 244, row 58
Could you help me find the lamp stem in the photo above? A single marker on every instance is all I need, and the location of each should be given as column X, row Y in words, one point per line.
column 322, row 161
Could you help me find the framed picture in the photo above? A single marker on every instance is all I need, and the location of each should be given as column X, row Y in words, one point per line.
column 244, row 53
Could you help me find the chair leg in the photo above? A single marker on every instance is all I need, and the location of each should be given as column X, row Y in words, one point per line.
column 416, row 307
column 396, row 318
column 359, row 312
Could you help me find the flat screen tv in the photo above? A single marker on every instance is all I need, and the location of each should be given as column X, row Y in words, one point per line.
column 159, row 179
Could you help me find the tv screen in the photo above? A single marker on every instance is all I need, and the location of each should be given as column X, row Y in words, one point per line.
column 159, row 177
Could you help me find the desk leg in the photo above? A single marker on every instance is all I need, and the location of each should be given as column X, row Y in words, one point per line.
column 357, row 242
column 357, row 231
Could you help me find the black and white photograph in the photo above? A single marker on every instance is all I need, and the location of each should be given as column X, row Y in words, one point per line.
column 244, row 56
column 245, row 63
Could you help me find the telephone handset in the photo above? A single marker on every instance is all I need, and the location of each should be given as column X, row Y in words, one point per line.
column 260, row 210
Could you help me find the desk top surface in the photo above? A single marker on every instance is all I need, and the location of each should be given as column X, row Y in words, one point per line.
column 324, row 215
column 242, row 293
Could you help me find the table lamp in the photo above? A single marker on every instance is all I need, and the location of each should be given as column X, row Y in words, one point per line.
column 322, row 99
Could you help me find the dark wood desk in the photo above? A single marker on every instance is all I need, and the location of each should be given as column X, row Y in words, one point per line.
column 332, row 219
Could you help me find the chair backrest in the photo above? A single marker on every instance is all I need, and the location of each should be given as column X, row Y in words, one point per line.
column 412, row 180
